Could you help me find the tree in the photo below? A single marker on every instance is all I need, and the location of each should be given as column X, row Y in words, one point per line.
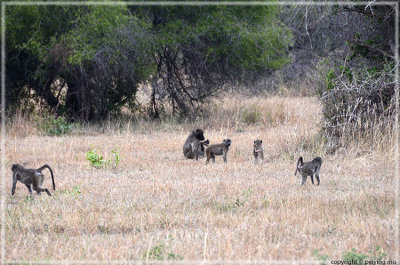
column 92, row 60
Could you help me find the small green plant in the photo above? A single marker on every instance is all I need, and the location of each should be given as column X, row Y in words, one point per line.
column 28, row 198
column 322, row 258
column 173, row 256
column 377, row 254
column 359, row 258
column 353, row 256
column 76, row 190
column 251, row 115
column 117, row 156
column 50, row 125
column 95, row 159
column 156, row 252
column 159, row 253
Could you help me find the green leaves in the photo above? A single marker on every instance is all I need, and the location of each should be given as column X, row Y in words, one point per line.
column 97, row 160
column 102, row 54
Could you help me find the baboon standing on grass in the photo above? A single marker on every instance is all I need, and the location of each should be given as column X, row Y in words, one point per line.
column 258, row 151
column 309, row 169
column 218, row 149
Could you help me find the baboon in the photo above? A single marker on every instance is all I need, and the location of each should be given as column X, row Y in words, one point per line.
column 198, row 148
column 218, row 149
column 194, row 143
column 258, row 151
column 29, row 177
column 310, row 168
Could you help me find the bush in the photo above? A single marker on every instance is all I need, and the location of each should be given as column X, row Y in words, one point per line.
column 357, row 102
column 50, row 125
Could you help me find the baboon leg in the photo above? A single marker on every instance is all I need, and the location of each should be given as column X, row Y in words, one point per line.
column 317, row 174
column 14, row 184
column 312, row 179
column 213, row 158
column 224, row 155
column 48, row 192
column 40, row 189
column 29, row 188
column 303, row 180
column 317, row 177
column 194, row 151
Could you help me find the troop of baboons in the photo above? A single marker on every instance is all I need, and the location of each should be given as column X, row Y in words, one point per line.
column 194, row 147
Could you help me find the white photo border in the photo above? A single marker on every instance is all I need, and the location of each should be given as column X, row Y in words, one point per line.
column 396, row 157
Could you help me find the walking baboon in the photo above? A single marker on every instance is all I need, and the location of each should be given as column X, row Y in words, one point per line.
column 218, row 149
column 258, row 151
column 310, row 168
column 192, row 143
column 29, row 177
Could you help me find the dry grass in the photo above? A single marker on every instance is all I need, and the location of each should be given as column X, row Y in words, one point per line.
column 158, row 201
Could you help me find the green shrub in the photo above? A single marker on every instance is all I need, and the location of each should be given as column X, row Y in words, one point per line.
column 376, row 255
column 354, row 256
column 97, row 160
column 50, row 125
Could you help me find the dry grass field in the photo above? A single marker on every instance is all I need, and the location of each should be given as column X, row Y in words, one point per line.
column 157, row 205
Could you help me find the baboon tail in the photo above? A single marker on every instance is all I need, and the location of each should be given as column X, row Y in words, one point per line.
column 300, row 161
column 51, row 172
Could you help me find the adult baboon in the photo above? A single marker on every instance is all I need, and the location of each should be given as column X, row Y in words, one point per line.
column 194, row 145
column 258, row 151
column 30, row 177
column 310, row 168
column 218, row 149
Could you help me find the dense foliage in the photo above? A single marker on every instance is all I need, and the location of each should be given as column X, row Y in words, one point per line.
column 348, row 54
column 88, row 61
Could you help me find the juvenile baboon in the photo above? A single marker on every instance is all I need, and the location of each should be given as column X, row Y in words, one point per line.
column 258, row 151
column 310, row 168
column 218, row 149
column 29, row 177
column 192, row 143
column 198, row 148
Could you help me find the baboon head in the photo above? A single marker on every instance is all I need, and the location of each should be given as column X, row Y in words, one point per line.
column 199, row 134
column 15, row 166
column 318, row 159
column 257, row 145
column 227, row 142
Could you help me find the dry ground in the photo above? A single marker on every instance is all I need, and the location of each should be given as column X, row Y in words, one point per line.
column 157, row 205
